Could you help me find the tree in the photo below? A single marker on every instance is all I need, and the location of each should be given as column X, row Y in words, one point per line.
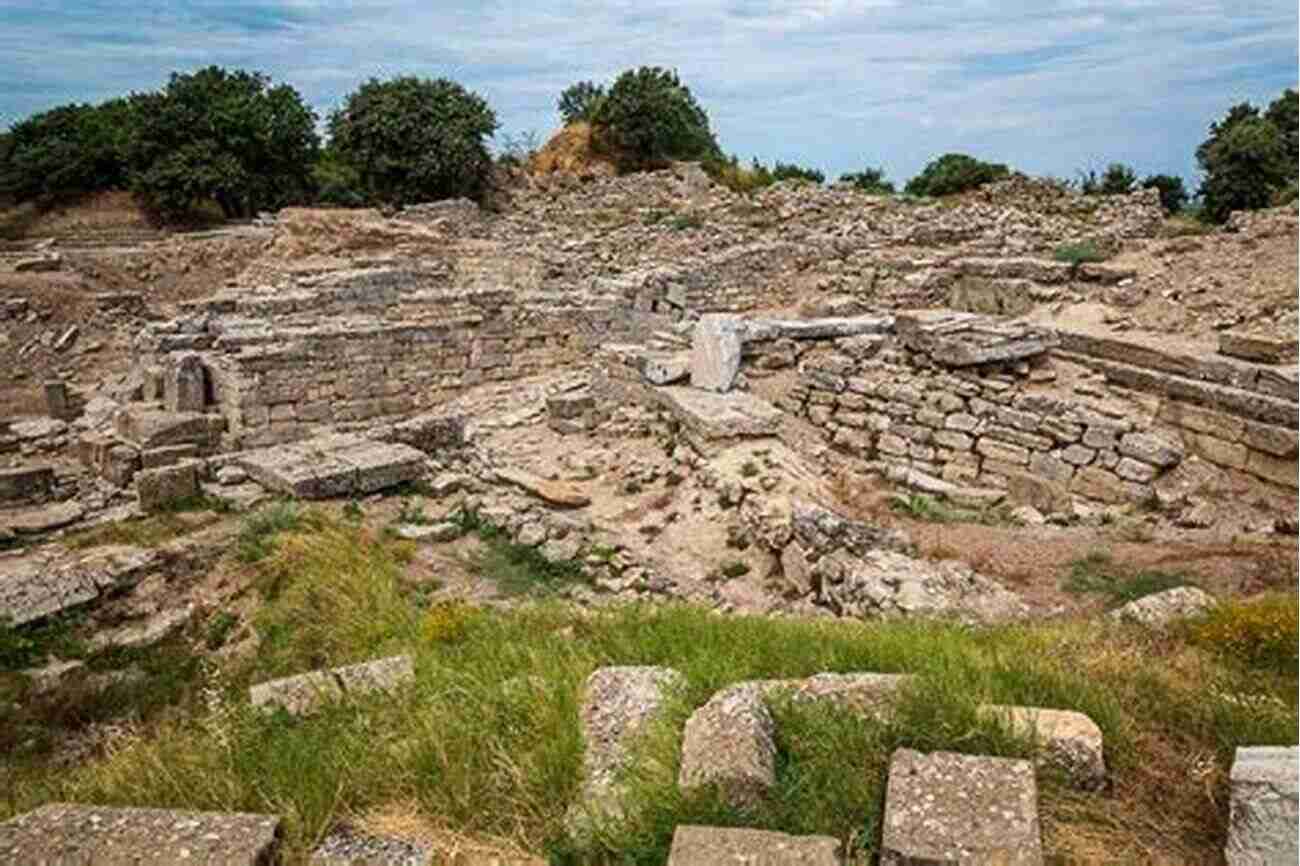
column 790, row 171
column 223, row 136
column 954, row 173
column 869, row 180
column 67, row 151
column 578, row 102
column 649, row 117
column 1173, row 195
column 1117, row 179
column 1248, row 158
column 415, row 139
column 1244, row 167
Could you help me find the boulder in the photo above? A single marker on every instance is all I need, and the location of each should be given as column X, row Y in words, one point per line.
column 1158, row 610
column 945, row 808
column 1067, row 740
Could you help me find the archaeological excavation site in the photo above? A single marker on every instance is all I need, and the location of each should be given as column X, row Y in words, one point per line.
column 635, row 520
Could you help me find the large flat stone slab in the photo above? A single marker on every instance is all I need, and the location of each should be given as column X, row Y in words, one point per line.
column 966, row 339
column 964, row 810
column 45, row 582
column 618, row 705
column 26, row 482
column 721, row 418
column 73, row 835
column 715, row 846
column 332, row 466
column 154, row 428
column 828, row 328
column 1263, row 826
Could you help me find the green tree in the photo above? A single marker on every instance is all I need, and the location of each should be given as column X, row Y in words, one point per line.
column 1245, row 166
column 954, row 173
column 790, row 171
column 1284, row 113
column 649, row 117
column 578, row 101
column 414, row 139
column 1117, row 179
column 223, row 136
column 1173, row 195
column 869, row 180
column 65, row 152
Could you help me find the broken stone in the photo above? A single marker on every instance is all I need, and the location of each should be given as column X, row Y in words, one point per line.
column 1158, row 610
column 169, row 456
column 664, row 369
column 715, row 352
column 157, row 627
column 48, row 581
column 297, row 695
column 730, row 743
column 438, row 533
column 1150, row 449
column 711, row 846
column 66, row 338
column 67, row 833
column 229, row 476
column 155, row 428
column 945, row 808
column 715, row 419
column 159, row 488
column 558, row 493
column 1258, row 347
column 1264, row 820
column 374, row 676
column 39, row 264
column 618, row 705
column 1069, row 741
column 35, row 521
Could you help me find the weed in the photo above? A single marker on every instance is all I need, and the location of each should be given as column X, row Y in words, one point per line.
column 257, row 537
column 1260, row 632
column 918, row 506
column 733, row 570
column 1095, row 574
column 1079, row 253
column 517, row 569
column 219, row 629
column 683, row 222
column 654, row 216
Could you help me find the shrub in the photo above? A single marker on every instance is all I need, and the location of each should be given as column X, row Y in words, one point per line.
column 1248, row 158
column 218, row 135
column 789, row 171
column 1079, row 253
column 869, row 180
column 1259, row 632
column 413, row 139
column 1173, row 195
column 649, row 117
column 578, row 102
column 954, row 173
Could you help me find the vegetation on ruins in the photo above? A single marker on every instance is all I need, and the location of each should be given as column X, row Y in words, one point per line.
column 1250, row 158
column 1117, row 179
column 492, row 716
column 953, row 173
column 869, row 180
column 649, row 117
column 415, row 139
column 1173, row 195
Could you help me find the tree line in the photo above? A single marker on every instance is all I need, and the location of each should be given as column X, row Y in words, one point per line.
column 234, row 139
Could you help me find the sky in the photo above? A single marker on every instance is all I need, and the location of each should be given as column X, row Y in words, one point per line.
column 1051, row 87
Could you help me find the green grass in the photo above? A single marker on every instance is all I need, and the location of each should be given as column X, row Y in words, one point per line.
column 1096, row 574
column 260, row 529
column 155, row 529
column 1079, row 253
column 686, row 221
column 486, row 741
column 27, row 645
column 919, row 506
column 517, row 569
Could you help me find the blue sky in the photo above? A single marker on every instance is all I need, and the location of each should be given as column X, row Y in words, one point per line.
column 1049, row 86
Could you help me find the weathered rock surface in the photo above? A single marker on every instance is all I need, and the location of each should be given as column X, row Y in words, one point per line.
column 345, row 847
column 1159, row 609
column 303, row 693
column 715, row 352
column 715, row 419
column 43, row 518
column 1264, row 822
column 730, row 743
column 964, row 810
column 154, row 629
column 559, row 493
column 74, row 835
column 46, row 581
column 26, row 483
column 1067, row 740
column 332, row 466
column 712, row 846
column 158, row 488
column 618, row 705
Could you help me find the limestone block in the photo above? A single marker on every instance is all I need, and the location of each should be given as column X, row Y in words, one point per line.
column 167, row 456
column 1004, row 452
column 1279, row 470
column 347, row 847
column 618, row 706
column 376, row 676
column 1201, row 420
column 72, row 834
column 158, row 488
column 1078, row 455
column 710, row 846
column 1263, row 823
column 1271, row 439
column 1233, row 455
column 1152, row 449
column 40, row 583
column 1070, row 741
column 26, row 483
column 1104, row 486
column 185, row 385
column 1159, row 609
column 730, row 742
column 1262, row 348
column 716, row 352
column 297, row 695
column 1134, row 470
column 945, row 808
column 154, row 428
column 1039, row 490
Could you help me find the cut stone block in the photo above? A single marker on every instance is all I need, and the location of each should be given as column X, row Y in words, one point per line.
column 712, row 846
column 380, row 675
column 817, row 329
column 715, row 352
column 345, row 847
column 42, row 519
column 74, row 835
column 1264, row 822
column 1069, row 741
column 716, row 419
column 331, row 466
column 1159, row 609
column 964, row 810
column 185, row 385
column 158, row 488
column 618, row 705
column 1258, row 347
column 730, row 742
column 154, row 428
column 168, row 456
column 26, row 482
column 966, row 339
column 297, row 695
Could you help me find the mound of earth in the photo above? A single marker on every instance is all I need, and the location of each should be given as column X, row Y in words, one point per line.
column 571, row 151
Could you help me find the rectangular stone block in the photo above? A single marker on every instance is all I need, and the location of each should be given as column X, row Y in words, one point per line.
column 156, row 489
column 1003, row 452
column 1279, row 470
column 1277, row 441
column 168, row 456
column 1264, row 819
column 73, row 835
column 712, row 846
column 1201, row 420
column 1262, row 348
column 26, row 482
column 1230, row 454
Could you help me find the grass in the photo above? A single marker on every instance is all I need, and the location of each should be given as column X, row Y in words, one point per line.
column 1096, row 574
column 919, row 506
column 156, row 529
column 258, row 534
column 683, row 222
column 1079, row 253
column 517, row 569
column 492, row 718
